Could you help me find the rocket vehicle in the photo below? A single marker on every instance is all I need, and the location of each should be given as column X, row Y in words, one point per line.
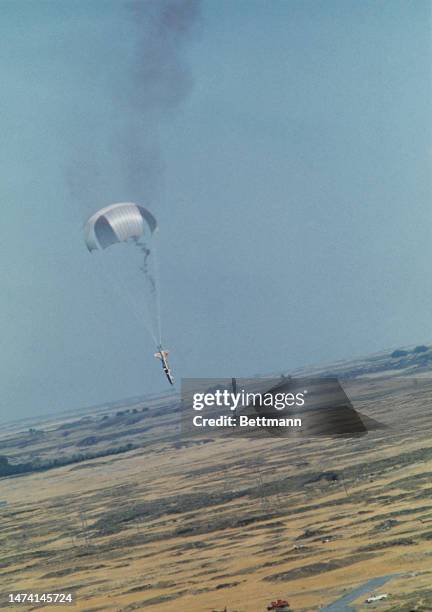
column 163, row 356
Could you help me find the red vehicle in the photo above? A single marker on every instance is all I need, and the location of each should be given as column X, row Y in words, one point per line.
column 280, row 605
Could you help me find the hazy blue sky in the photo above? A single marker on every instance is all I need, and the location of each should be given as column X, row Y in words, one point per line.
column 292, row 185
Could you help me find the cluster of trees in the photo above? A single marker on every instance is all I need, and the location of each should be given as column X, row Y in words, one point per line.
column 11, row 469
column 402, row 353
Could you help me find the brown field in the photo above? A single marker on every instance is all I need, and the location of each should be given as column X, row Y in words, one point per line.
column 197, row 525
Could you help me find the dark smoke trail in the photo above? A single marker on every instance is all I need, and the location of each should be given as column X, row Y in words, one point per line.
column 160, row 81
column 119, row 159
column 162, row 78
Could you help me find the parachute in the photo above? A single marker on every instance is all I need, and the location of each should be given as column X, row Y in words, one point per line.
column 126, row 231
column 117, row 223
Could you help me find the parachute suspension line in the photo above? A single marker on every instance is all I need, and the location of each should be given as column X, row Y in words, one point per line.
column 125, row 295
column 133, row 305
column 158, row 307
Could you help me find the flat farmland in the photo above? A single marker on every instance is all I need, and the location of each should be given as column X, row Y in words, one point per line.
column 121, row 510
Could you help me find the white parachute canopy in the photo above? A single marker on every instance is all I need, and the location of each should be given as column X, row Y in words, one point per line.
column 118, row 223
column 126, row 232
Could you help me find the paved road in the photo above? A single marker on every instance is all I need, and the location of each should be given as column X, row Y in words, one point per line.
column 342, row 604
